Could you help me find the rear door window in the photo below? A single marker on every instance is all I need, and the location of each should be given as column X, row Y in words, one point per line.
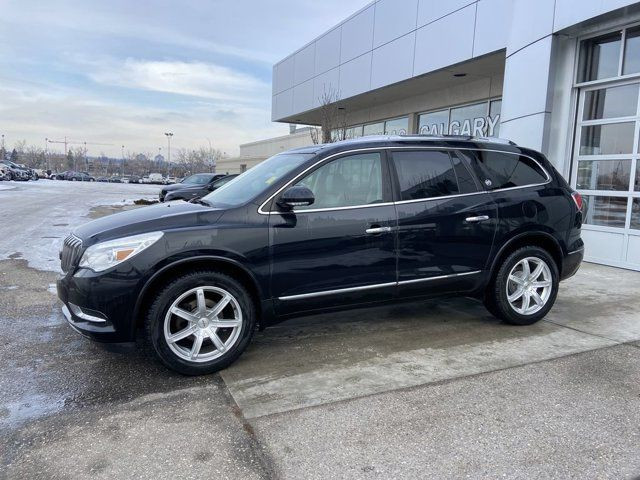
column 430, row 174
column 508, row 170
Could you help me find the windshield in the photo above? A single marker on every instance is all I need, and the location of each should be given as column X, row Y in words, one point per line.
column 255, row 181
column 199, row 179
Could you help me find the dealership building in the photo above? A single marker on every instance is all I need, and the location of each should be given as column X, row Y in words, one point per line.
column 559, row 76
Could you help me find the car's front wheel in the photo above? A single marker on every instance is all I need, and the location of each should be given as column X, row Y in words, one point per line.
column 201, row 322
column 525, row 286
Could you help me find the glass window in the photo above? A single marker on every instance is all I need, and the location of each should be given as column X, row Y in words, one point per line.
column 434, row 123
column 604, row 175
column 635, row 214
column 347, row 181
column 425, row 174
column 599, row 57
column 255, row 181
column 611, row 102
column 493, row 129
column 610, row 139
column 632, row 52
column 374, row 129
column 606, row 211
column 469, row 120
column 506, row 170
column 466, row 183
column 354, row 132
column 397, row 126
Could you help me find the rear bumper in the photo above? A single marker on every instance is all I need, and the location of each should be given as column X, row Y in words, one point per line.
column 571, row 263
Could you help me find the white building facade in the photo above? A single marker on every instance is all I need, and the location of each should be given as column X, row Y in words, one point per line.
column 559, row 76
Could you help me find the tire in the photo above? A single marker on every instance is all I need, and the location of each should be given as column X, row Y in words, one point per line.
column 183, row 294
column 530, row 301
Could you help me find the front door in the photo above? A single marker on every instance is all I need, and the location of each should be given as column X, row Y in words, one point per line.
column 341, row 249
column 446, row 223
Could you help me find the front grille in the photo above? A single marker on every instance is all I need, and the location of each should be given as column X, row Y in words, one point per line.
column 70, row 254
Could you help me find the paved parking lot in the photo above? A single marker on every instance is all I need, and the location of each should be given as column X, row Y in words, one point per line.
column 422, row 390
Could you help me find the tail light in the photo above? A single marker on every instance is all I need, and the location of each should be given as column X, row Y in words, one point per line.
column 577, row 198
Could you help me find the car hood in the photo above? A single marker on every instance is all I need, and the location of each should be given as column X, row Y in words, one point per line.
column 181, row 186
column 164, row 216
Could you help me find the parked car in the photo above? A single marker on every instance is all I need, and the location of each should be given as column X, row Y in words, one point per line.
column 171, row 180
column 80, row 177
column 102, row 179
column 195, row 186
column 145, row 179
column 4, row 172
column 15, row 171
column 134, row 179
column 325, row 228
column 156, row 178
column 115, row 180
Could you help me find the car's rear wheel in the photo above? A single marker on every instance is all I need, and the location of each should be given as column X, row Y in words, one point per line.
column 525, row 286
column 201, row 322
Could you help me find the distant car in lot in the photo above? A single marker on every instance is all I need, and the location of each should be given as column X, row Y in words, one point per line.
column 193, row 192
column 80, row 177
column 16, row 172
column 4, row 172
column 156, row 178
column 326, row 228
column 134, row 179
column 102, row 179
column 194, row 186
column 115, row 180
column 171, row 180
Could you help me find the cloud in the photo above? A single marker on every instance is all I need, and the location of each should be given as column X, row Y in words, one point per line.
column 195, row 79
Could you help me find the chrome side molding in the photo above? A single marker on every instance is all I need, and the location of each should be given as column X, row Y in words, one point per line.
column 371, row 287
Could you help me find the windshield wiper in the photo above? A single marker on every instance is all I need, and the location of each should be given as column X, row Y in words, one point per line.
column 200, row 201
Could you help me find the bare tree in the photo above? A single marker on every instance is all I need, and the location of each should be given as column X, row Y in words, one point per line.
column 333, row 120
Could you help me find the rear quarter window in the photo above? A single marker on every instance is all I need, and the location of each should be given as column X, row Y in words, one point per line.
column 507, row 170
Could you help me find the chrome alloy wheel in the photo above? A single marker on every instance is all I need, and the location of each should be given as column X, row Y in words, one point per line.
column 529, row 285
column 203, row 324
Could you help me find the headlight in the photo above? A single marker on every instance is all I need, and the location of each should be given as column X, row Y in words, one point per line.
column 105, row 255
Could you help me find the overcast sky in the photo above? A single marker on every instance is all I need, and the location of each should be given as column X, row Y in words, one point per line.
column 125, row 71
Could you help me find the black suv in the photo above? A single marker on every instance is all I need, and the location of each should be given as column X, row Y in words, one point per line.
column 327, row 227
column 193, row 186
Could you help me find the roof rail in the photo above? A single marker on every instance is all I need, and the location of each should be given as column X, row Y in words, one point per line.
column 467, row 138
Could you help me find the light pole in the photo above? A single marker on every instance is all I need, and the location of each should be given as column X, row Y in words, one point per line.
column 46, row 142
column 169, row 135
column 122, row 164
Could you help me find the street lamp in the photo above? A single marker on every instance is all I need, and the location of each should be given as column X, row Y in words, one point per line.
column 46, row 158
column 168, row 135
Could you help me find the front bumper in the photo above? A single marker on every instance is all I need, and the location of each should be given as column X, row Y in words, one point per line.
column 98, row 306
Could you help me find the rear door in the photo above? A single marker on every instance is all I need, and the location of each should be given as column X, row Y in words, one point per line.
column 446, row 222
column 341, row 249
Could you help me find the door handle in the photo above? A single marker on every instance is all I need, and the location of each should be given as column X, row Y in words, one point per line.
column 479, row 218
column 377, row 230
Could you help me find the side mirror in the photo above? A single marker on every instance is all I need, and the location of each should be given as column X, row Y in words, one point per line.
column 296, row 196
column 210, row 187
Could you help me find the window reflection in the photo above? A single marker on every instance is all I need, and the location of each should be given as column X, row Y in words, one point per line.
column 605, row 211
column 610, row 139
column 632, row 52
column 611, row 102
column 604, row 175
column 635, row 214
column 599, row 57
